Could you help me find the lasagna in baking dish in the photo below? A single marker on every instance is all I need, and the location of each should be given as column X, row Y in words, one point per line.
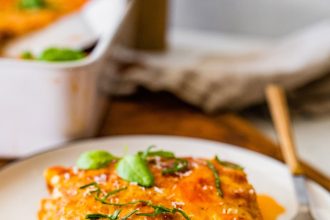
column 153, row 184
column 18, row 17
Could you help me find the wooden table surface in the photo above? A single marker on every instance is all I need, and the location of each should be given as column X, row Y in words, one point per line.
column 161, row 113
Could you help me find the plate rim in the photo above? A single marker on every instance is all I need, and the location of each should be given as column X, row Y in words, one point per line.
column 76, row 143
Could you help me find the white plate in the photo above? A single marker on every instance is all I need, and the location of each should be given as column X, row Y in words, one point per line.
column 22, row 184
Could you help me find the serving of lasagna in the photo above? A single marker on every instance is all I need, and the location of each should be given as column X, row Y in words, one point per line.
column 148, row 185
column 18, row 17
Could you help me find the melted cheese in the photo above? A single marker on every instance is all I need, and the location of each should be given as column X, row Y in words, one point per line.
column 193, row 191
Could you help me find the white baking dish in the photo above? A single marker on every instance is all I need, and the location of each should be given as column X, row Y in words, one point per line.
column 43, row 104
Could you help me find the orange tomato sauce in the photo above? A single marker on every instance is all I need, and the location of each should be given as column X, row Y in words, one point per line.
column 270, row 209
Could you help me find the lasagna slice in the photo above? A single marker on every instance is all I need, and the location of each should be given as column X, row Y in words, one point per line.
column 181, row 188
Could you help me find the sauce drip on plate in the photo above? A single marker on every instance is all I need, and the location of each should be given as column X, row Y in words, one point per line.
column 270, row 209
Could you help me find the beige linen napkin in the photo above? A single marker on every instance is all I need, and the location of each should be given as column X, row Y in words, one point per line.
column 218, row 79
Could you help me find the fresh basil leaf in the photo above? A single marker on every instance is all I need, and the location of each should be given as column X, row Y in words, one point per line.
column 229, row 164
column 61, row 54
column 94, row 159
column 179, row 165
column 134, row 168
column 55, row 55
column 32, row 4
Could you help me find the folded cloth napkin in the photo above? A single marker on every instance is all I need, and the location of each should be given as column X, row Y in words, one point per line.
column 219, row 79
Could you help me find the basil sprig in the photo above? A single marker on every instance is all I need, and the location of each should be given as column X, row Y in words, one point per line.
column 94, row 159
column 134, row 168
column 228, row 164
column 216, row 178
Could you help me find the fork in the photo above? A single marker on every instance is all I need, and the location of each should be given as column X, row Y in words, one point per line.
column 279, row 110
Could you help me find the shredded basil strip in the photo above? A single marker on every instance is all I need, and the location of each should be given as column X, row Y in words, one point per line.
column 88, row 185
column 160, row 153
column 114, row 192
column 182, row 213
column 96, row 216
column 134, row 168
column 116, row 214
column 107, row 195
column 179, row 165
column 229, row 164
column 144, row 154
column 118, row 204
column 129, row 214
column 159, row 209
column 216, row 177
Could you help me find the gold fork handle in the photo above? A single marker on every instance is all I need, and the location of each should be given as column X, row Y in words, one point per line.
column 281, row 118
